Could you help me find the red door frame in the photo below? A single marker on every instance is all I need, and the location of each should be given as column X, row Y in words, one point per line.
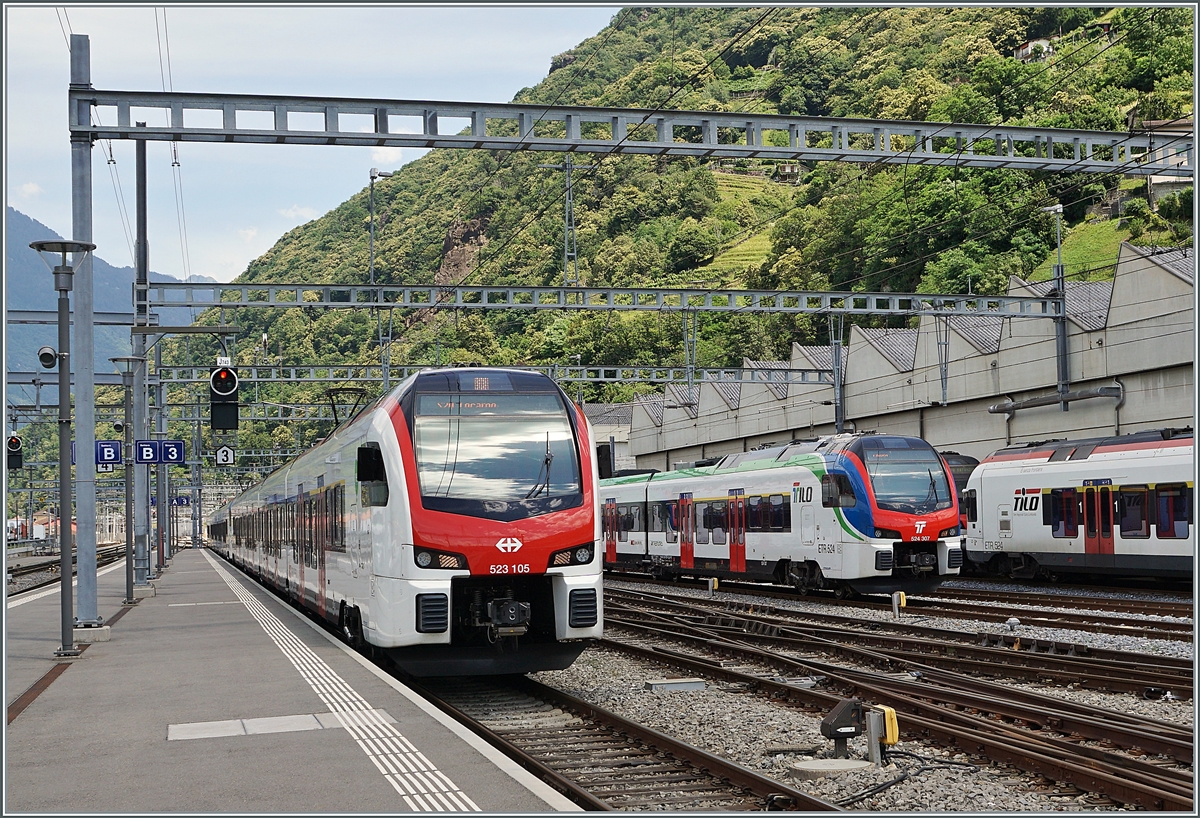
column 687, row 553
column 610, row 531
column 737, row 530
column 1104, row 503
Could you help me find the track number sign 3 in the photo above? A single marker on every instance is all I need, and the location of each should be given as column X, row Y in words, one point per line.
column 225, row 456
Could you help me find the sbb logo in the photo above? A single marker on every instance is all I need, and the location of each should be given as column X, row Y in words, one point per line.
column 509, row 545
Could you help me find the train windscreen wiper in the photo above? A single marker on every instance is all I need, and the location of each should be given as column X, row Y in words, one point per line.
column 543, row 482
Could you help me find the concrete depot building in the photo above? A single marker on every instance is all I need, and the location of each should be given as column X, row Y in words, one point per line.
column 1135, row 333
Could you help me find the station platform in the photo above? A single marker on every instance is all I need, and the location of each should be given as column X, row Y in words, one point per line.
column 213, row 696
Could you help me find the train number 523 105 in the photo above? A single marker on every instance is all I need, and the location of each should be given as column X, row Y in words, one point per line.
column 510, row 569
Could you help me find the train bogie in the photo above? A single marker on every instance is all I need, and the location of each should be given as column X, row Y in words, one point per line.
column 453, row 524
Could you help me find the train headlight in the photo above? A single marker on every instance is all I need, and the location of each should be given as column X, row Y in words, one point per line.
column 886, row 534
column 948, row 532
column 426, row 558
column 579, row 555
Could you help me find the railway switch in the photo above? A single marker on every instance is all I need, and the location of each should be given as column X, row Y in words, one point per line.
column 844, row 722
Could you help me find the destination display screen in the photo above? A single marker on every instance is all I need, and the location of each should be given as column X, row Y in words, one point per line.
column 472, row 404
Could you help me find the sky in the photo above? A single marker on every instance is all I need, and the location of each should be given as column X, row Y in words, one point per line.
column 237, row 200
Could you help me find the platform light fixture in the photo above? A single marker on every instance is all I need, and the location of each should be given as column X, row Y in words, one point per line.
column 63, row 275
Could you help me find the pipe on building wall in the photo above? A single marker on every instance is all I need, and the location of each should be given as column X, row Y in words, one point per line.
column 1117, row 407
column 1049, row 400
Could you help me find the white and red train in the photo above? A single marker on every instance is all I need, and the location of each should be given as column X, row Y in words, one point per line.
column 862, row 513
column 1118, row 506
column 454, row 524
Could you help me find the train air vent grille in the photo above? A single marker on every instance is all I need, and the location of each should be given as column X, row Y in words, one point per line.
column 954, row 558
column 582, row 613
column 433, row 613
column 883, row 560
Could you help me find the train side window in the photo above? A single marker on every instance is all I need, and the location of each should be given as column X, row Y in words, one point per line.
column 1174, row 511
column 371, row 472
column 700, row 511
column 836, row 492
column 718, row 522
column 970, row 506
column 1105, row 512
column 657, row 521
column 622, row 523
column 754, row 514
column 781, row 513
column 672, row 520
column 1064, row 513
column 1132, row 507
column 635, row 518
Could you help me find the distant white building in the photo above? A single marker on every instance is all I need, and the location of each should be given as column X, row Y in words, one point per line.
column 1134, row 334
column 1038, row 49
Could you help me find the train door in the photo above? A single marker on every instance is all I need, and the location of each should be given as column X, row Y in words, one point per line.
column 1097, row 520
column 323, row 516
column 687, row 529
column 611, row 521
column 737, row 530
column 808, row 532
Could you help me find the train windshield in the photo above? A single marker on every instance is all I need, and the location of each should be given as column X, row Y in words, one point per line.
column 496, row 455
column 906, row 475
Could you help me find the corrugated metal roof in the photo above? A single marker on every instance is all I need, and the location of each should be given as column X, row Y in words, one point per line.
column 609, row 414
column 686, row 398
column 730, row 392
column 1087, row 301
column 899, row 346
column 982, row 332
column 780, row 390
column 821, row 357
column 653, row 404
column 1179, row 260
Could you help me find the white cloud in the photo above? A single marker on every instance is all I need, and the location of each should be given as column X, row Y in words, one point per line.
column 30, row 189
column 298, row 212
column 248, row 234
column 388, row 157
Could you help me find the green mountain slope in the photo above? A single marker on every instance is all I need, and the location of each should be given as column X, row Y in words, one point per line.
column 496, row 218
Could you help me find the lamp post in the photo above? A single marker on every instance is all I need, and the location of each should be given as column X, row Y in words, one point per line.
column 62, row 282
column 126, row 365
column 375, row 172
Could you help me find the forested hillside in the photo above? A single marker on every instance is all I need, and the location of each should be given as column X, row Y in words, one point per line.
column 496, row 218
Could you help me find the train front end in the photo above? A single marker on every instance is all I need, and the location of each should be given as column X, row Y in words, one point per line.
column 501, row 568
column 909, row 521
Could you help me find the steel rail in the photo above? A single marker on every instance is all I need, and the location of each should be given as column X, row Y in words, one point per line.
column 974, row 734
column 1032, row 667
column 1141, row 606
column 822, row 701
column 1010, row 641
column 668, row 775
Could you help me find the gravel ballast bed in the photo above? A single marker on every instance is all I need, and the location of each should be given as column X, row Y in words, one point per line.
column 768, row 738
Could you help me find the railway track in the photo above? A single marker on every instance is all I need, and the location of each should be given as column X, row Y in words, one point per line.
column 1183, row 609
column 104, row 556
column 1117, row 672
column 601, row 760
column 951, row 609
column 1093, row 749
